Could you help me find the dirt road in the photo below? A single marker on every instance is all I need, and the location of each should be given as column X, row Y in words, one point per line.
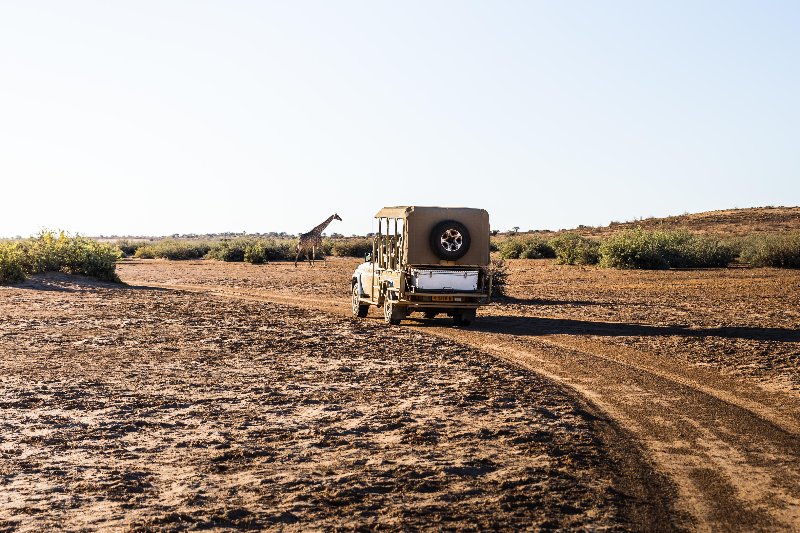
column 149, row 409
column 726, row 431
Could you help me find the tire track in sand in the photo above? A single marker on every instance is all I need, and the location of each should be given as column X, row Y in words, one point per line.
column 733, row 454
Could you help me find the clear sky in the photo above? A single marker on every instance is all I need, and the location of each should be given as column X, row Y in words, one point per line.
column 161, row 117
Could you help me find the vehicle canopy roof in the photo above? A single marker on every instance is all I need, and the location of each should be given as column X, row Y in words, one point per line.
column 407, row 211
column 420, row 221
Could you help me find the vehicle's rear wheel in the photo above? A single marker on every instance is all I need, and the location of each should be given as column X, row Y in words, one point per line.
column 392, row 314
column 359, row 309
column 464, row 317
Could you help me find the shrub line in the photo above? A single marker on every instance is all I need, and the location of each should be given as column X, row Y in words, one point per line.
column 657, row 249
column 57, row 252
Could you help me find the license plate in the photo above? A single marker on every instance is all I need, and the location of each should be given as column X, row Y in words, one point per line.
column 442, row 298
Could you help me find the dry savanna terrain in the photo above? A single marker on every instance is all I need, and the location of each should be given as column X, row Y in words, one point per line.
column 723, row 222
column 147, row 408
column 210, row 395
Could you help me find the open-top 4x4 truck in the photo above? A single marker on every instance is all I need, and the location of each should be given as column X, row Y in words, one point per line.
column 426, row 259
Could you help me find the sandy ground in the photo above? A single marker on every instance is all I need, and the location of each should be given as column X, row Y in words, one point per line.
column 136, row 408
column 213, row 395
column 698, row 367
column 739, row 321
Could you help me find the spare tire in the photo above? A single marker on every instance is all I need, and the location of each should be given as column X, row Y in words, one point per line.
column 450, row 240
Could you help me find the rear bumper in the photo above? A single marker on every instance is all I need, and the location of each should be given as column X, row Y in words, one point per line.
column 439, row 301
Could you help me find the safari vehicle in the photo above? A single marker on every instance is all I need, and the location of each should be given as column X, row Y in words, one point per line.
column 430, row 260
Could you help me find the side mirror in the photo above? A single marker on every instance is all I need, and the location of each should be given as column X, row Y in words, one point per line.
column 368, row 258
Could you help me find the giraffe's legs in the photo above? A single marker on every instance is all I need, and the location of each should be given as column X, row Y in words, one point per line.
column 313, row 253
column 297, row 256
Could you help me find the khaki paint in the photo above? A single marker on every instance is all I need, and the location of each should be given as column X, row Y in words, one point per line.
column 420, row 221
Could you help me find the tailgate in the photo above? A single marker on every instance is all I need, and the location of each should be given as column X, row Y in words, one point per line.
column 445, row 280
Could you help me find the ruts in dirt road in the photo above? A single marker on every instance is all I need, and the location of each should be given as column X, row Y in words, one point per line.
column 207, row 394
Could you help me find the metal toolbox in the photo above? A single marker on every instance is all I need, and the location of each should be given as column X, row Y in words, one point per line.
column 445, row 280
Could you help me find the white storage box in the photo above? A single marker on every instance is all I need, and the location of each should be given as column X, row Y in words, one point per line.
column 449, row 280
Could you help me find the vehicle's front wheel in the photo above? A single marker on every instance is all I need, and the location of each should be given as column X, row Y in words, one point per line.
column 392, row 314
column 359, row 309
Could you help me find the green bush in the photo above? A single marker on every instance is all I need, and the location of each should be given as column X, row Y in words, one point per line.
column 498, row 270
column 572, row 249
column 537, row 248
column 253, row 250
column 259, row 252
column 636, row 249
column 264, row 250
column 529, row 247
column 780, row 250
column 145, row 251
column 127, row 247
column 51, row 252
column 661, row 249
column 352, row 247
column 704, row 252
column 227, row 250
column 44, row 253
column 12, row 263
column 173, row 249
column 90, row 258
column 324, row 249
column 510, row 248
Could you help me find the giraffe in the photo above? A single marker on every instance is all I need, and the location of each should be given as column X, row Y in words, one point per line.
column 312, row 239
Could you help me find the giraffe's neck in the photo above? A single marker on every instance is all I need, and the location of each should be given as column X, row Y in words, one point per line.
column 319, row 229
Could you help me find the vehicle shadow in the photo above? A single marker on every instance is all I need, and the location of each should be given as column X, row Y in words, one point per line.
column 534, row 326
column 58, row 282
column 544, row 301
